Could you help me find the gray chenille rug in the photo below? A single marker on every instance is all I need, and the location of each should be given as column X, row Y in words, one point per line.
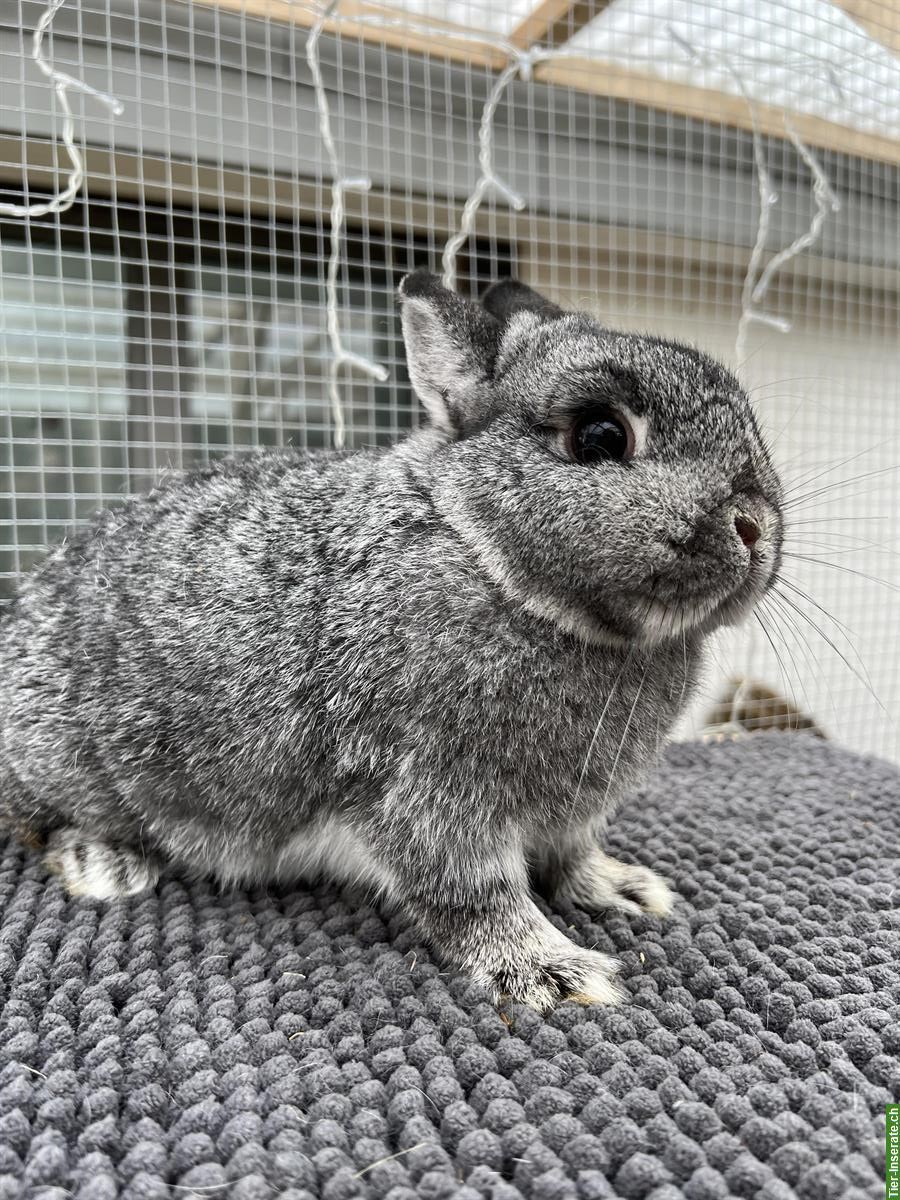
column 296, row 1043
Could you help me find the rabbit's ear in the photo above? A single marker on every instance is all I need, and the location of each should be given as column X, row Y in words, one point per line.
column 451, row 345
column 507, row 297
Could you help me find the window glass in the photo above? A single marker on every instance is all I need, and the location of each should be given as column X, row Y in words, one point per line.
column 256, row 358
column 63, row 383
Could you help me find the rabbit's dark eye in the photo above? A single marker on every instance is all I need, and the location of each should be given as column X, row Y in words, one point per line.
column 601, row 437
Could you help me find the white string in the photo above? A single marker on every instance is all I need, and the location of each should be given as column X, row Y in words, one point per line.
column 61, row 84
column 521, row 65
column 826, row 202
column 767, row 198
column 756, row 281
column 757, row 284
column 340, row 356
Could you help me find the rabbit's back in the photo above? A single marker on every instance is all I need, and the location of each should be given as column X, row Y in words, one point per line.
column 157, row 662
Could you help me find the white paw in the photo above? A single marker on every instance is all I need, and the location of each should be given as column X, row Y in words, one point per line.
column 604, row 882
column 546, row 969
column 591, row 979
column 584, row 976
column 97, row 869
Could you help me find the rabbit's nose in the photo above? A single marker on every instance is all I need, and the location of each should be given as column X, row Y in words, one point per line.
column 747, row 530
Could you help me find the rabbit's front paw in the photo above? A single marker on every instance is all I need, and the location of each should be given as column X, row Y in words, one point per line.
column 584, row 976
column 90, row 867
column 599, row 881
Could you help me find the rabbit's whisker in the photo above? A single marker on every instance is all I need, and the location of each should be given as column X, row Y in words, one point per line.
column 812, row 545
column 758, row 387
column 824, row 562
column 685, row 662
column 786, row 676
column 845, row 631
column 852, row 542
column 809, row 477
column 785, row 582
column 784, row 618
column 809, row 520
column 625, row 733
column 797, row 501
column 813, row 661
column 817, row 667
column 599, row 725
column 846, row 661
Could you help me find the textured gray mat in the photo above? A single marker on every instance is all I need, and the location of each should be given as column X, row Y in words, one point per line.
column 191, row 1043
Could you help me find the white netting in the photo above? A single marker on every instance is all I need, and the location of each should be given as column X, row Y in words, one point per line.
column 206, row 208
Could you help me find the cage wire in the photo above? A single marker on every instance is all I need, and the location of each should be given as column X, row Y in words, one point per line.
column 206, row 206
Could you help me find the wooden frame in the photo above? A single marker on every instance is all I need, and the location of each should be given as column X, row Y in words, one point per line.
column 879, row 18
column 721, row 108
column 554, row 22
column 370, row 21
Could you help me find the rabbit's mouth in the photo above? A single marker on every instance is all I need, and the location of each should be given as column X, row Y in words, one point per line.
column 715, row 576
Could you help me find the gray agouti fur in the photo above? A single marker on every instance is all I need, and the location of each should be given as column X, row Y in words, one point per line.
column 434, row 669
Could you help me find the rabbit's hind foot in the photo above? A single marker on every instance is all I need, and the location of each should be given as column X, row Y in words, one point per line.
column 598, row 882
column 91, row 867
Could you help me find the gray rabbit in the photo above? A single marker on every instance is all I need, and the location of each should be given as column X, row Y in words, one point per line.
column 433, row 670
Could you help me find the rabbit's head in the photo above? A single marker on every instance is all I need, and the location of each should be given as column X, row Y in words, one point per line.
column 616, row 484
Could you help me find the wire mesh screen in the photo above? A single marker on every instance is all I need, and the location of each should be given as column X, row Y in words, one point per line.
column 203, row 257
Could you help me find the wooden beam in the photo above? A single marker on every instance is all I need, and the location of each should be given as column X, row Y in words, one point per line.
column 879, row 18
column 383, row 24
column 721, row 108
column 554, row 22
column 377, row 22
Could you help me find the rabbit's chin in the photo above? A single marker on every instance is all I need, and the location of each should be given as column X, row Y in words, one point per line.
column 639, row 619
column 661, row 622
